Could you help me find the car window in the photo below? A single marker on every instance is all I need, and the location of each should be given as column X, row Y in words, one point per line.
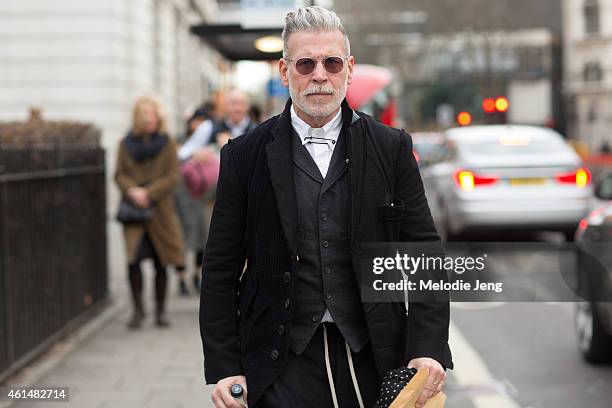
column 446, row 152
column 515, row 144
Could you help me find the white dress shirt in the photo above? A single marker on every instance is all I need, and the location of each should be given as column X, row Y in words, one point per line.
column 320, row 150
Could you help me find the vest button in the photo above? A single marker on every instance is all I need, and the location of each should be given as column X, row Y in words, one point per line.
column 287, row 277
column 281, row 330
column 327, row 270
column 328, row 296
column 324, row 217
column 274, row 354
column 287, row 303
column 325, row 244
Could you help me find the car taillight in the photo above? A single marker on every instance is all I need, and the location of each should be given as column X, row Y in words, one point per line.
column 580, row 177
column 467, row 180
column 597, row 216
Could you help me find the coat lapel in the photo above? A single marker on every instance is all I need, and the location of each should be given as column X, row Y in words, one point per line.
column 356, row 153
column 278, row 153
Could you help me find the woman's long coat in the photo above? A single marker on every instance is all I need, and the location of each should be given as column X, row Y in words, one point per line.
column 160, row 174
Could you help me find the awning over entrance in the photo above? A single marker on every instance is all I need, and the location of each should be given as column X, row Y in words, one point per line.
column 237, row 43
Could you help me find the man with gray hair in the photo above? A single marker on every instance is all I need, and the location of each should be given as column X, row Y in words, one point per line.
column 281, row 313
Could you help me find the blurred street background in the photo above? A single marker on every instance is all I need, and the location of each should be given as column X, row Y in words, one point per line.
column 509, row 103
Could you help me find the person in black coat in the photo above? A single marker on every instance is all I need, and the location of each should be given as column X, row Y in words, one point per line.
column 281, row 312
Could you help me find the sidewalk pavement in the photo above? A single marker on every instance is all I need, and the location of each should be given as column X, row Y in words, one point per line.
column 105, row 365
column 114, row 367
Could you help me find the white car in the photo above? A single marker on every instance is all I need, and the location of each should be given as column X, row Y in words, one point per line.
column 506, row 176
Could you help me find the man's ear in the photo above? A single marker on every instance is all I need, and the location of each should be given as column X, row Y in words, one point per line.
column 350, row 62
column 283, row 69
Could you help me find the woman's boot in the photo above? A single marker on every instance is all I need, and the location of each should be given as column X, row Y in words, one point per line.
column 138, row 312
column 135, row 278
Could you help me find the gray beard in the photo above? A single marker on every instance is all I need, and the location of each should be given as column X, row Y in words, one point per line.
column 317, row 111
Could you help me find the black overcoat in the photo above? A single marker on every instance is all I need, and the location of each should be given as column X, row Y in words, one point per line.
column 246, row 297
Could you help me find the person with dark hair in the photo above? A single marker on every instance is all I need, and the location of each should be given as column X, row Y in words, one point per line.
column 147, row 172
column 281, row 313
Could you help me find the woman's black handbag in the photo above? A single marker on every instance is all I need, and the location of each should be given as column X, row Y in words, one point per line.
column 128, row 213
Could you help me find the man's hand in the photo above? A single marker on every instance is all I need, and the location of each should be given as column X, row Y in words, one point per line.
column 221, row 396
column 435, row 381
column 139, row 196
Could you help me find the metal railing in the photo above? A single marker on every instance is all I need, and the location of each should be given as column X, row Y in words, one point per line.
column 53, row 264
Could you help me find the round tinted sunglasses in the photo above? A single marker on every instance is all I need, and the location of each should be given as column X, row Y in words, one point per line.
column 306, row 65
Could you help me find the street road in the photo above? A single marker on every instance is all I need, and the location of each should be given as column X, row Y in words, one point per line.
column 522, row 354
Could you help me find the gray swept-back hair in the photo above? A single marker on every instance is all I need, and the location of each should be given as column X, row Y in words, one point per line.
column 312, row 19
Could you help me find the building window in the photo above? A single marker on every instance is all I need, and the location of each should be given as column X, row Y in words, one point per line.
column 592, row 72
column 591, row 16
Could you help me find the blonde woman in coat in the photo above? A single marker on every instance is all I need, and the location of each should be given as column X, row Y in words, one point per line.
column 147, row 172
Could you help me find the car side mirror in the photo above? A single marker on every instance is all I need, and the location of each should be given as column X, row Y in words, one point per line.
column 604, row 188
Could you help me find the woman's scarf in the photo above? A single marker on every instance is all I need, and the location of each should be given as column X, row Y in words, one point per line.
column 145, row 147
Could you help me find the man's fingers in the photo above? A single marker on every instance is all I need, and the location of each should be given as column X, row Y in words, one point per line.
column 217, row 400
column 228, row 400
column 432, row 387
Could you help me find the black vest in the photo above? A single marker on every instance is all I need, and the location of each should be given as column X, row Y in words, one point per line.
column 325, row 277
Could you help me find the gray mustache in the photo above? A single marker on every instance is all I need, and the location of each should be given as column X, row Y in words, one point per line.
column 319, row 89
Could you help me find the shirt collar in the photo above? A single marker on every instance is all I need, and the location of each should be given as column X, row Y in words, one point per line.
column 331, row 130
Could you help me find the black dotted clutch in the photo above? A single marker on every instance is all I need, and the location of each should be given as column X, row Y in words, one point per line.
column 393, row 383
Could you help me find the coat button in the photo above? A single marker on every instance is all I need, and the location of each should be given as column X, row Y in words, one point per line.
column 323, row 217
column 325, row 244
column 315, row 318
column 281, row 330
column 287, row 303
column 328, row 296
column 274, row 354
column 287, row 277
column 327, row 270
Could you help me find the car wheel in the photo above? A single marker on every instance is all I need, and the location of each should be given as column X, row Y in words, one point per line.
column 593, row 340
column 569, row 235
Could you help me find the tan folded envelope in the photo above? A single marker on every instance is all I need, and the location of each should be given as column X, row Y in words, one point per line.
column 410, row 394
column 437, row 401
